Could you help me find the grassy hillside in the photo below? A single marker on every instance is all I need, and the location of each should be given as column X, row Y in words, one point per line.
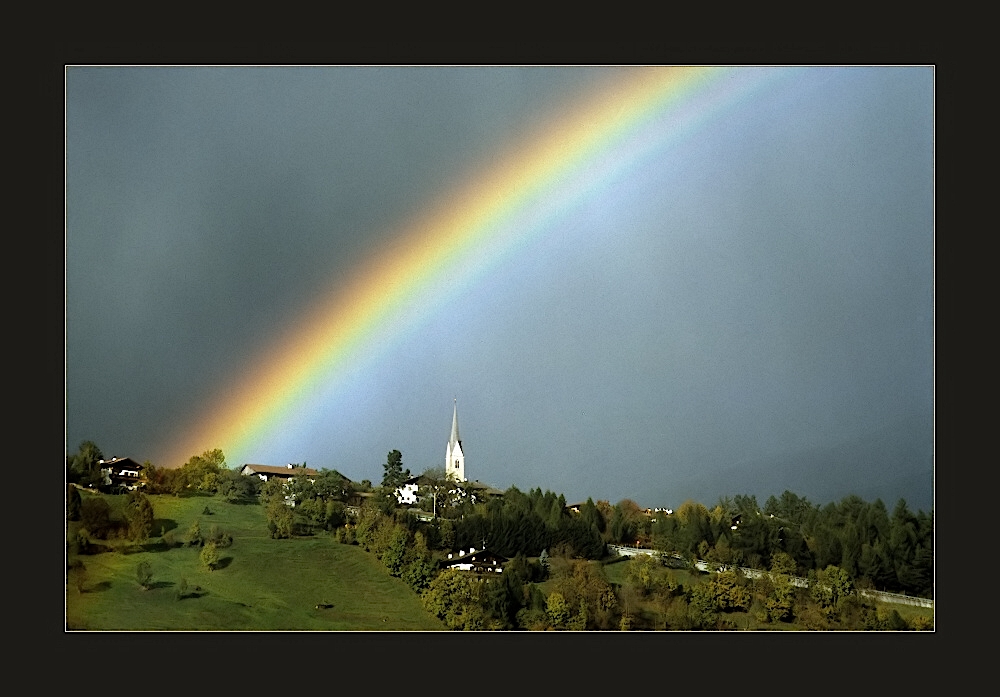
column 263, row 584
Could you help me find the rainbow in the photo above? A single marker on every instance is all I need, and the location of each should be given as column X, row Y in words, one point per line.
column 494, row 212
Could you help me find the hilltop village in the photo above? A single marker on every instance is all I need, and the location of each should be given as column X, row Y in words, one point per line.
column 787, row 561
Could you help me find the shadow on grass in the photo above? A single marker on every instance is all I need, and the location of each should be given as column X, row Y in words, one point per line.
column 136, row 548
column 162, row 545
column 161, row 584
column 162, row 525
column 224, row 562
column 99, row 587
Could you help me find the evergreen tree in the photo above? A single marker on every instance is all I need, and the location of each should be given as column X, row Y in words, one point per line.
column 394, row 475
column 138, row 512
column 85, row 466
column 210, row 555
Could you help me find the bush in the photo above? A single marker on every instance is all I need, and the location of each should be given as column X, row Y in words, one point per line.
column 78, row 575
column 220, row 538
column 144, row 575
column 82, row 541
column 194, row 534
column 210, row 555
column 345, row 535
column 95, row 514
column 73, row 503
column 280, row 520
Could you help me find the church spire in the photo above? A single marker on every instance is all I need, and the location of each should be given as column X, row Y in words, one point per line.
column 454, row 458
column 454, row 427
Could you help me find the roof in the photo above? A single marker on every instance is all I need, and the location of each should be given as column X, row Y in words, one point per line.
column 285, row 471
column 121, row 463
column 483, row 488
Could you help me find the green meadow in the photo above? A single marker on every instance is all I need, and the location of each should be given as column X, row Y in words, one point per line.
column 262, row 584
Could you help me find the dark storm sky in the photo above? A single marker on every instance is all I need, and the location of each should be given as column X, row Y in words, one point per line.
column 746, row 311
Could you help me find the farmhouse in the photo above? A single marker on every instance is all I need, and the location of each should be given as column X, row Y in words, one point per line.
column 482, row 492
column 285, row 472
column 477, row 561
column 121, row 471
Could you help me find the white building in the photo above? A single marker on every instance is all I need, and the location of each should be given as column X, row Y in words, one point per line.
column 454, row 457
column 407, row 494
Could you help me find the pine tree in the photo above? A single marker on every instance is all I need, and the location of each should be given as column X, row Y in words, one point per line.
column 395, row 475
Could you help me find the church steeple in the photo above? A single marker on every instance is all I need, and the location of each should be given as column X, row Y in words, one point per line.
column 454, row 426
column 454, row 458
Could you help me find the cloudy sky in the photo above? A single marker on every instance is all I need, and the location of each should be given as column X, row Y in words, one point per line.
column 728, row 292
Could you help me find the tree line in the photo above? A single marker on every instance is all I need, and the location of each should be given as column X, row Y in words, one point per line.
column 788, row 536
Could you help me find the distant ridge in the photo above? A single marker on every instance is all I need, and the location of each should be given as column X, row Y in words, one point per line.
column 891, row 463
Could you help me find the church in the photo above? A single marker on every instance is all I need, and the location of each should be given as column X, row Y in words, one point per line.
column 454, row 457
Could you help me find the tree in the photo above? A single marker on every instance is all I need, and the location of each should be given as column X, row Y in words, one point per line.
column 578, row 622
column 73, row 503
column 210, row 555
column 591, row 514
column 95, row 515
column 138, row 512
column 193, row 537
column 782, row 563
column 418, row 574
column 238, row 488
column 455, row 598
column 272, row 490
column 702, row 606
column 144, row 575
column 203, row 472
column 331, row 485
column 394, row 554
column 640, row 571
column 395, row 475
column 280, row 519
column 778, row 597
column 162, row 480
column 828, row 586
column 556, row 609
column 336, row 515
column 85, row 465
